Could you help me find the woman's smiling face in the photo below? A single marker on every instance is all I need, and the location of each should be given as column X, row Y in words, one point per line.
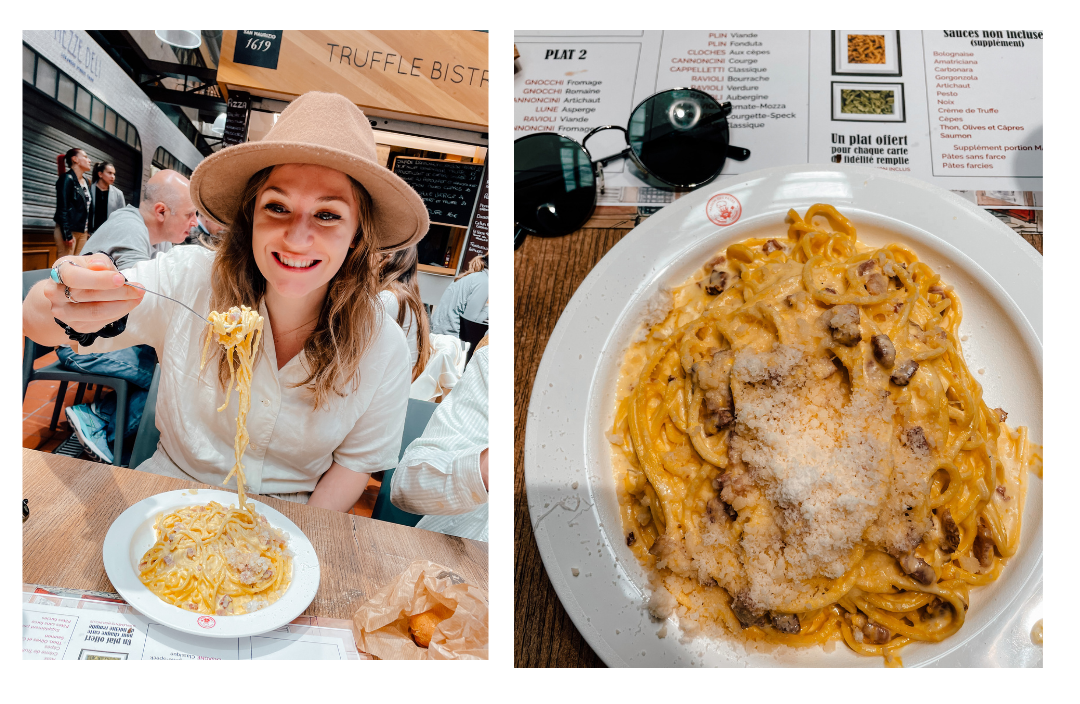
column 305, row 219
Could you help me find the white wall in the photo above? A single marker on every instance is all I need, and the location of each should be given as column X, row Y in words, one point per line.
column 79, row 56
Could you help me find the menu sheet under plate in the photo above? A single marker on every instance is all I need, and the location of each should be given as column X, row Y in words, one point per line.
column 86, row 627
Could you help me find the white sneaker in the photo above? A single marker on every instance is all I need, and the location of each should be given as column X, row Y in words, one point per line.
column 90, row 430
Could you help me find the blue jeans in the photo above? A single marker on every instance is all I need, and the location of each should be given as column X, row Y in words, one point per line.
column 133, row 364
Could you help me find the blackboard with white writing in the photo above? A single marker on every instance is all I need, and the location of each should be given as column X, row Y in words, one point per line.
column 448, row 188
column 236, row 118
column 258, row 47
column 477, row 244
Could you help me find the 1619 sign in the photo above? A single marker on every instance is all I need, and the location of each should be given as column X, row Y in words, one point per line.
column 258, row 47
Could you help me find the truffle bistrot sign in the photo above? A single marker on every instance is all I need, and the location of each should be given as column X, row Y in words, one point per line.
column 436, row 76
column 448, row 188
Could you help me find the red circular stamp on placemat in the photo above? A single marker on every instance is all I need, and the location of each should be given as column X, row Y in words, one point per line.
column 723, row 209
column 207, row 621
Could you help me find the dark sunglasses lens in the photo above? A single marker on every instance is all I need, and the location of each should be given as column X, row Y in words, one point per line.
column 554, row 184
column 681, row 136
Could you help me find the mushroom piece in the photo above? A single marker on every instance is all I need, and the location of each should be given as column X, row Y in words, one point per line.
column 950, row 532
column 937, row 607
column 786, row 623
column 876, row 633
column 717, row 283
column 715, row 421
column 916, row 440
column 984, row 544
column 843, row 322
column 902, row 374
column 884, row 351
column 745, row 610
column 876, row 284
column 918, row 569
column 716, row 510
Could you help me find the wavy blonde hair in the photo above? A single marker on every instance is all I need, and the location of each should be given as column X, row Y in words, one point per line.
column 347, row 322
column 476, row 265
column 397, row 275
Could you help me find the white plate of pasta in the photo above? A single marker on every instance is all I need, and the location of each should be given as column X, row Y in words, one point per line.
column 227, row 572
column 770, row 430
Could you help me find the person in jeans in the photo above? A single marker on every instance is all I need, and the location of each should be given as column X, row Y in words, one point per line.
column 106, row 198
column 72, row 204
column 129, row 236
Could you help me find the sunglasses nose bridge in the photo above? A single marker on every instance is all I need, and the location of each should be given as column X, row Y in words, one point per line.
column 601, row 128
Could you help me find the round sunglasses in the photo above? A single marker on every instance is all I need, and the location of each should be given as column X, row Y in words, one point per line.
column 677, row 139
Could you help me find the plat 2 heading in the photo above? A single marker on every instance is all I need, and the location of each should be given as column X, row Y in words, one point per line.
column 439, row 70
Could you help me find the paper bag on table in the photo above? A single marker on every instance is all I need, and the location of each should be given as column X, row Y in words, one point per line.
column 381, row 625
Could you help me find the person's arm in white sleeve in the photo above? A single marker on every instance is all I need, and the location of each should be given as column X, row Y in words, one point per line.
column 440, row 472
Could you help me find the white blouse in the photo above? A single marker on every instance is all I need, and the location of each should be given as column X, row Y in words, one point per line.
column 439, row 474
column 292, row 445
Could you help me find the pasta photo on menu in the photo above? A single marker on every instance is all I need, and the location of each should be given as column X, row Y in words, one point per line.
column 802, row 453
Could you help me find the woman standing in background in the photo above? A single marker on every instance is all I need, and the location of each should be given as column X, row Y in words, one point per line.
column 107, row 198
column 72, row 204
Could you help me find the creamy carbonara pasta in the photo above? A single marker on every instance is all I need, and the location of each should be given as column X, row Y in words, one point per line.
column 801, row 453
column 215, row 559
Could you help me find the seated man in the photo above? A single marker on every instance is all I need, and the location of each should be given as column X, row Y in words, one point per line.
column 130, row 235
column 444, row 473
column 466, row 297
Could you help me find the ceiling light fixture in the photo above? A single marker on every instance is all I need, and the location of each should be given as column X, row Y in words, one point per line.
column 180, row 38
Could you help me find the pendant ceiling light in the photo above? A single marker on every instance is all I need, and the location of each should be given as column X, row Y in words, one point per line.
column 180, row 38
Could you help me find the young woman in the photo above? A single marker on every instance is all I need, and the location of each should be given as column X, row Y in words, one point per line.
column 400, row 293
column 72, row 204
column 306, row 210
column 106, row 197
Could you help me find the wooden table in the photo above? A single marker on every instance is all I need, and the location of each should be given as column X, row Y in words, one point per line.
column 546, row 274
column 73, row 503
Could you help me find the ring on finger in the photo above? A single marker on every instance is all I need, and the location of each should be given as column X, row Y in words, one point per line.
column 54, row 271
column 67, row 293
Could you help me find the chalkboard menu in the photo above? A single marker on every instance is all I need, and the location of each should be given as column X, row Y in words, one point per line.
column 236, row 118
column 477, row 244
column 448, row 188
column 258, row 47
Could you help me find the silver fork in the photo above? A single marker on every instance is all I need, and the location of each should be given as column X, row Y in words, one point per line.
column 141, row 288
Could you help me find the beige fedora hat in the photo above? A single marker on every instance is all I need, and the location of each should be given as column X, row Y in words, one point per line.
column 325, row 129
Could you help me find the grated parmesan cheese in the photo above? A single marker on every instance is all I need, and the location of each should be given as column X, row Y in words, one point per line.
column 656, row 311
column 819, row 459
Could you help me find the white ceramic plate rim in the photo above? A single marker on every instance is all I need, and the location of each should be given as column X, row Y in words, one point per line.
column 566, row 393
column 121, row 555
